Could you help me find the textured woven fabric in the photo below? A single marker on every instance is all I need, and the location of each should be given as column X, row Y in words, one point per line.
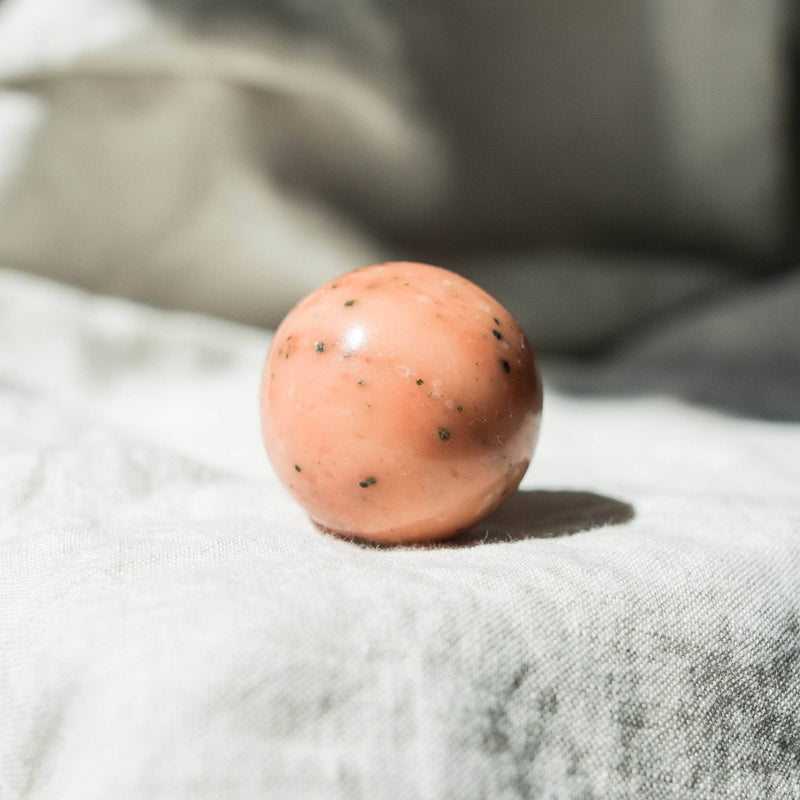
column 172, row 626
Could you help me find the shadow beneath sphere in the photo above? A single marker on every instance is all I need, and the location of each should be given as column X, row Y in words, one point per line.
column 545, row 515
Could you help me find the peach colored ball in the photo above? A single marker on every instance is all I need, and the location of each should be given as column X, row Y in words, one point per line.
column 400, row 403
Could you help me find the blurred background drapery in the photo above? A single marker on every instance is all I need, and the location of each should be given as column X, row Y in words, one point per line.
column 596, row 166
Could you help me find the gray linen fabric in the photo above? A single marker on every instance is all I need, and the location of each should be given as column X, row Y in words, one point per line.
column 146, row 146
column 172, row 626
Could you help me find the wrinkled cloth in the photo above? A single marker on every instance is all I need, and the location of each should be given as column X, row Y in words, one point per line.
column 148, row 147
column 172, row 626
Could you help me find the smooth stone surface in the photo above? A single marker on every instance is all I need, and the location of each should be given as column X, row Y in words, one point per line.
column 400, row 403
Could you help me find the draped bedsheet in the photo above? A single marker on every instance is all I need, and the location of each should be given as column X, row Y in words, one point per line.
column 622, row 177
column 172, row 626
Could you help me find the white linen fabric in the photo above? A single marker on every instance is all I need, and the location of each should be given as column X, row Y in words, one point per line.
column 172, row 626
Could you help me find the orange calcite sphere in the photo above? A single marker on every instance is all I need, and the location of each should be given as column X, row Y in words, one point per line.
column 400, row 403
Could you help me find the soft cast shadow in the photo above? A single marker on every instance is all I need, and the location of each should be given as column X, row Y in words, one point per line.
column 545, row 515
